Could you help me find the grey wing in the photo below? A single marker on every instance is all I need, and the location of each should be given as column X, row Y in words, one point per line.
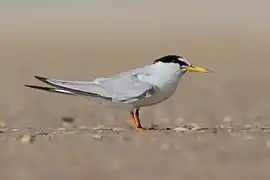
column 128, row 88
column 124, row 87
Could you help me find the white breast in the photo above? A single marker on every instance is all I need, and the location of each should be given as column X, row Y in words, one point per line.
column 166, row 77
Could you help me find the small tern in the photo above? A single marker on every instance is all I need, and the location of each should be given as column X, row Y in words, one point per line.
column 131, row 90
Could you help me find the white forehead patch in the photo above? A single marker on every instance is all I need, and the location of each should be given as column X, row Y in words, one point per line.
column 183, row 60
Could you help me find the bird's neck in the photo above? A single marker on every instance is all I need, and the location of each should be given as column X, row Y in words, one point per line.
column 168, row 72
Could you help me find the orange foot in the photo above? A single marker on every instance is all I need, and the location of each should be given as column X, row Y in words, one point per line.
column 137, row 115
column 136, row 122
column 140, row 128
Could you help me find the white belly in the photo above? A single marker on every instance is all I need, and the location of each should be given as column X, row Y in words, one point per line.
column 166, row 90
column 166, row 77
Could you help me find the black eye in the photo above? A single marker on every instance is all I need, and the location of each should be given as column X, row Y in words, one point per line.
column 182, row 63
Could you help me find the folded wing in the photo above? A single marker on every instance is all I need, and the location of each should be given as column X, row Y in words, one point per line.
column 116, row 89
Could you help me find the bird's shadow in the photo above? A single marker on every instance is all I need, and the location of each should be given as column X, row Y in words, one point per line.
column 159, row 129
column 154, row 127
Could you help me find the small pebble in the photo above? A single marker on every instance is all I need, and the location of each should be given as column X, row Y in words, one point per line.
column 83, row 128
column 118, row 129
column 220, row 126
column 60, row 129
column 2, row 130
column 3, row 127
column 247, row 127
column 192, row 126
column 27, row 139
column 97, row 137
column 181, row 129
column 99, row 127
column 15, row 129
column 204, row 129
column 68, row 120
column 214, row 131
column 153, row 126
column 231, row 129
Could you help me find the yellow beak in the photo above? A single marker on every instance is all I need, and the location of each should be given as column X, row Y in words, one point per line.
column 197, row 69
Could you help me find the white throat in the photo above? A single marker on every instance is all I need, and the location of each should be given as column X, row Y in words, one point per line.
column 167, row 73
column 166, row 77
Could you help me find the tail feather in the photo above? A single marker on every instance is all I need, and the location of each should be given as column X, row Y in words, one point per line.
column 69, row 87
column 50, row 89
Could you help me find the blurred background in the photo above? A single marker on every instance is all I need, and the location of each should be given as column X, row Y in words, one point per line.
column 82, row 40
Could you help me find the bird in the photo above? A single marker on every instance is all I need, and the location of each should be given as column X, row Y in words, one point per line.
column 130, row 90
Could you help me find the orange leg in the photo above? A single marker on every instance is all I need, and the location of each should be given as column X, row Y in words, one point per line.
column 137, row 114
column 134, row 122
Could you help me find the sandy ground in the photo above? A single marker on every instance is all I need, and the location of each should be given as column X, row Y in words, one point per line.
column 230, row 107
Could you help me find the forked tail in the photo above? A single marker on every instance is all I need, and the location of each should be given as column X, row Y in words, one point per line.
column 50, row 89
column 82, row 88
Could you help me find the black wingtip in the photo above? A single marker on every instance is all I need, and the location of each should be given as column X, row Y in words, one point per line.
column 50, row 89
column 37, row 87
column 30, row 86
column 40, row 87
column 41, row 78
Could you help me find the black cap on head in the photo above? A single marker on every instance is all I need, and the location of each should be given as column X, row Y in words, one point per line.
column 172, row 59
